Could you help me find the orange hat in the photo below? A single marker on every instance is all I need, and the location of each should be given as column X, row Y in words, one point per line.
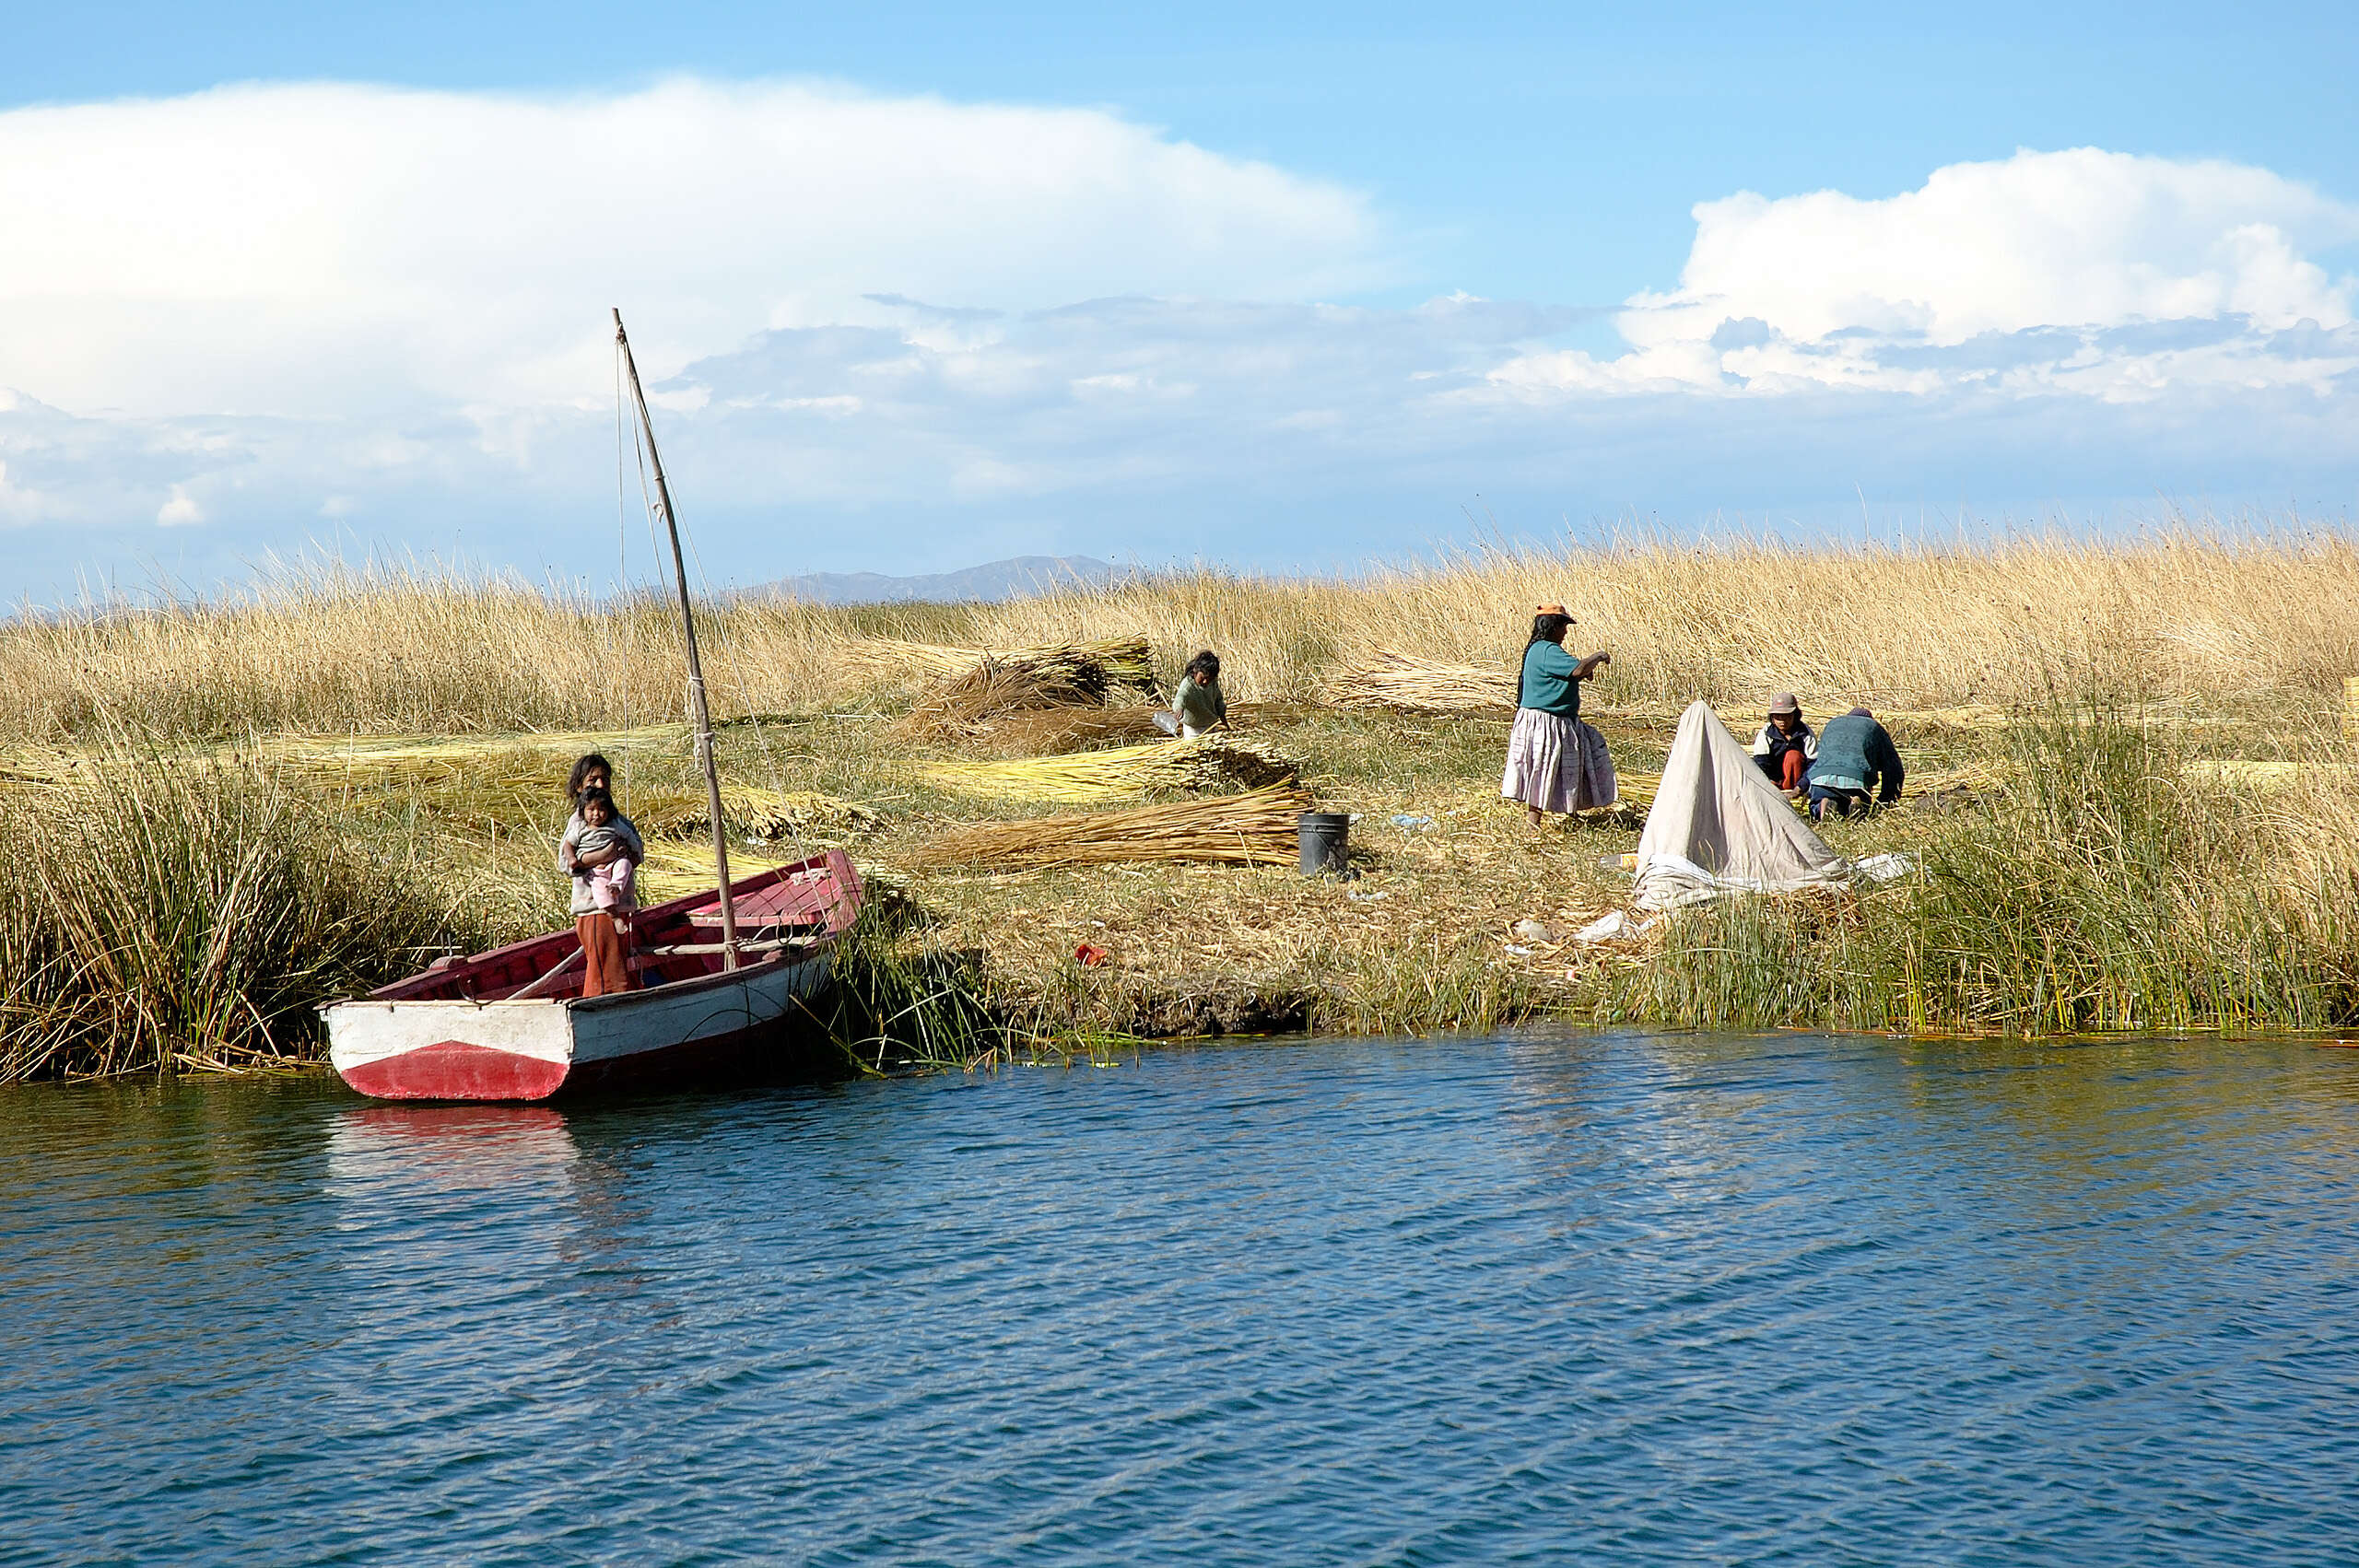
column 1547, row 608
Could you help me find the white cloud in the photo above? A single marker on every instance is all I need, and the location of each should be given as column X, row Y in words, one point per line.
column 273, row 310
column 180, row 509
column 1822, row 289
column 16, row 503
column 343, row 250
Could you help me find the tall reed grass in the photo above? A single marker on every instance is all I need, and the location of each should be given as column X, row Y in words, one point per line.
column 162, row 915
column 386, row 649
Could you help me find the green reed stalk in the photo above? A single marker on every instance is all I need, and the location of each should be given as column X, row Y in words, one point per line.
column 168, row 913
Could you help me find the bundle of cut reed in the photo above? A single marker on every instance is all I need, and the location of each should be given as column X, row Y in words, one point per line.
column 1206, row 763
column 752, row 813
column 1048, row 731
column 1256, row 828
column 1406, row 684
column 1124, row 659
column 1071, row 675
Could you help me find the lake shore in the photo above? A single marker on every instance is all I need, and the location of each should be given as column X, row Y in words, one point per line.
column 2142, row 818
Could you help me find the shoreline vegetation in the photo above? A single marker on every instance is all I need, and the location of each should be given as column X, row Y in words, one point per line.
column 2130, row 796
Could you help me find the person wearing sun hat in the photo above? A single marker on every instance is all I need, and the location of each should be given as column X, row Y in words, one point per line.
column 1555, row 763
column 1786, row 747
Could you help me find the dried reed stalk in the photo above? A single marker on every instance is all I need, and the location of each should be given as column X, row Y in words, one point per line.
column 1073, row 676
column 1391, row 679
column 1050, row 730
column 1257, row 828
column 1124, row 659
column 752, row 813
column 1043, row 732
column 1206, row 763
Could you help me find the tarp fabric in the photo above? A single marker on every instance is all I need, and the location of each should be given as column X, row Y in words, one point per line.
column 1718, row 826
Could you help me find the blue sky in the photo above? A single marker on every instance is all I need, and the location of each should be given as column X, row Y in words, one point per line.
column 938, row 283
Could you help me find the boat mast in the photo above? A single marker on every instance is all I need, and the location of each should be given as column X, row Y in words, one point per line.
column 698, row 713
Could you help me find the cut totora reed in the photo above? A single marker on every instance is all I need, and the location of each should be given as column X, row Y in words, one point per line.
column 1258, row 829
column 1206, row 763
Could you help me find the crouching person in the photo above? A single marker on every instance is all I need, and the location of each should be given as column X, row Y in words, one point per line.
column 1785, row 747
column 1857, row 765
column 1198, row 705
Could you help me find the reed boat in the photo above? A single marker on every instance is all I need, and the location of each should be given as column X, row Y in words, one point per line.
column 512, row 1024
column 717, row 979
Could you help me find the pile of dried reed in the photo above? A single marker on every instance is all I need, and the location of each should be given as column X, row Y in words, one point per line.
column 1124, row 659
column 1206, row 763
column 1069, row 675
column 1406, row 683
column 753, row 812
column 1048, row 731
column 1257, row 828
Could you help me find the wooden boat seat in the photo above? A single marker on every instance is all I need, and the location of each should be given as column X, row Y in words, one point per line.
column 803, row 900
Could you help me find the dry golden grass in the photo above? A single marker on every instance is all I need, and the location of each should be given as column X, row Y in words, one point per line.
column 1254, row 828
column 2175, row 619
column 998, row 684
column 1391, row 679
column 1205, row 765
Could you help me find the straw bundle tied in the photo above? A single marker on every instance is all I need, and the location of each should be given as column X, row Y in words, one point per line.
column 1406, row 684
column 1124, row 659
column 1075, row 674
column 1258, row 829
column 1206, row 763
column 752, row 812
column 1044, row 730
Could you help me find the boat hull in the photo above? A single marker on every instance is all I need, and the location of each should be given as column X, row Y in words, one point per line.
column 510, row 1024
column 721, row 1025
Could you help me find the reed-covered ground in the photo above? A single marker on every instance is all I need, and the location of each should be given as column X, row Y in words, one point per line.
column 233, row 807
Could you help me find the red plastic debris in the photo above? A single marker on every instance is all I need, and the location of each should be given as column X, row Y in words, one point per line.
column 1091, row 953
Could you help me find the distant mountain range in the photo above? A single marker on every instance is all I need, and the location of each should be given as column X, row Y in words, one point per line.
column 993, row 581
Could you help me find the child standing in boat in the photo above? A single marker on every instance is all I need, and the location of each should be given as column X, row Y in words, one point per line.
column 604, row 931
column 613, row 885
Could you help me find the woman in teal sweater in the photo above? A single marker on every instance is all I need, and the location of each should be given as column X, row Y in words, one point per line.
column 1555, row 763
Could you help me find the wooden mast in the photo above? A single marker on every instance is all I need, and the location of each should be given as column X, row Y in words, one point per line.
column 698, row 713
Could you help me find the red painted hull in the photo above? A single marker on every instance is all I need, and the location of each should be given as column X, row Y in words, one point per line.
column 454, row 1070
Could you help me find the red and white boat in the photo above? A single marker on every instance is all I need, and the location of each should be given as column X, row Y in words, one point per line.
column 512, row 1024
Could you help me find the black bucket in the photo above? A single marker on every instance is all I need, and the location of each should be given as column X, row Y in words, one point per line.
column 1322, row 842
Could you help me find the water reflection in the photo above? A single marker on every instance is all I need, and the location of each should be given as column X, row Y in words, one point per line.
column 385, row 1152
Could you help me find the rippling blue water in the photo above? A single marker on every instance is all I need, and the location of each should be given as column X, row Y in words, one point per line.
column 1597, row 1299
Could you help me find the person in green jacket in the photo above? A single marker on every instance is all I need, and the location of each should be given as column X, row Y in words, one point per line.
column 1855, row 756
column 1198, row 705
column 1555, row 763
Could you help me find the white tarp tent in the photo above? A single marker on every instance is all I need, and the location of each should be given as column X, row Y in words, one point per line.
column 1717, row 825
